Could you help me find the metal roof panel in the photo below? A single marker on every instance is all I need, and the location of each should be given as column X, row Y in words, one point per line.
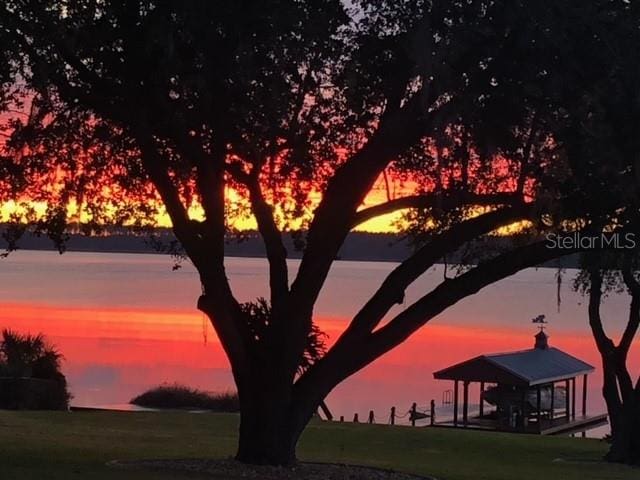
column 528, row 367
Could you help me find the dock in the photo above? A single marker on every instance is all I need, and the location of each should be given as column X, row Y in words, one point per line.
column 558, row 426
column 524, row 391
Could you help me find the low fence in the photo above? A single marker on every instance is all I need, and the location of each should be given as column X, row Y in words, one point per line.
column 413, row 415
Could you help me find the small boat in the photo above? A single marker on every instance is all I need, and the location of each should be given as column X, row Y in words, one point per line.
column 505, row 397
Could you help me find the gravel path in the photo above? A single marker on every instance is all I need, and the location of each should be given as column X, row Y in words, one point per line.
column 232, row 470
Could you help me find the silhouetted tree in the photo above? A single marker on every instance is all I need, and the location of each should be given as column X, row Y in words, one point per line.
column 609, row 274
column 604, row 140
column 133, row 106
column 26, row 357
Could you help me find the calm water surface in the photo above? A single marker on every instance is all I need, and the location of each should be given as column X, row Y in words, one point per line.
column 126, row 322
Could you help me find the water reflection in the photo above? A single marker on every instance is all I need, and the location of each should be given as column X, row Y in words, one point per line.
column 127, row 322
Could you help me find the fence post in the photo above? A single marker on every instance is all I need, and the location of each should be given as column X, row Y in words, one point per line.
column 392, row 418
column 433, row 412
column 342, row 418
column 371, row 417
column 355, row 418
column 413, row 414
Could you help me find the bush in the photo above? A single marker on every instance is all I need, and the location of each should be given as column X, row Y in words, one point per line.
column 30, row 374
column 180, row 396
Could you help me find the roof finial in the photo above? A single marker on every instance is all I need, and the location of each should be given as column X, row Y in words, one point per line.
column 542, row 342
column 540, row 321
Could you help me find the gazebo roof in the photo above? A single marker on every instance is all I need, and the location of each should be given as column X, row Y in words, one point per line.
column 523, row 368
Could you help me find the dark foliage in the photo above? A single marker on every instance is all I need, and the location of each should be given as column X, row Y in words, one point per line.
column 30, row 373
column 259, row 315
column 179, row 396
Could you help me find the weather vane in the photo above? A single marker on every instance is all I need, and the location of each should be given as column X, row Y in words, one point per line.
column 540, row 321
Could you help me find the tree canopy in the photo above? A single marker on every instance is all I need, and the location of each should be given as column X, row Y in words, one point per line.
column 489, row 112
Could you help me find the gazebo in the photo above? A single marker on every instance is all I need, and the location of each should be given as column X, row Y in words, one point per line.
column 531, row 391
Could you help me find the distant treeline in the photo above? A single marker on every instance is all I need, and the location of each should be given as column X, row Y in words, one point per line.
column 359, row 246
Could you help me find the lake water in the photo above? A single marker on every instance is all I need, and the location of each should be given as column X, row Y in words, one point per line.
column 127, row 322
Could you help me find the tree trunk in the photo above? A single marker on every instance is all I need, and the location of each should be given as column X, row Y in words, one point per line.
column 264, row 361
column 622, row 399
column 611, row 395
column 625, row 446
column 267, row 436
column 622, row 408
column 269, row 423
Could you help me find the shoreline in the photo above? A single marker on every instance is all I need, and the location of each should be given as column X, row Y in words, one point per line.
column 358, row 247
column 552, row 264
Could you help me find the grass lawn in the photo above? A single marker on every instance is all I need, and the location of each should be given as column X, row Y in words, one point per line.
column 59, row 445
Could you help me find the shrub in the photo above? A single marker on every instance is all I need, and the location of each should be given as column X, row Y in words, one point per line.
column 180, row 396
column 30, row 373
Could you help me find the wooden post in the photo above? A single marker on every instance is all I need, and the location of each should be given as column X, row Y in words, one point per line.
column 465, row 403
column 392, row 417
column 573, row 398
column 355, row 418
column 326, row 411
column 567, row 408
column 455, row 403
column 371, row 416
column 342, row 418
column 481, row 399
column 584, row 401
column 523, row 413
column 584, row 395
column 538, row 401
column 432, row 421
column 553, row 399
column 413, row 414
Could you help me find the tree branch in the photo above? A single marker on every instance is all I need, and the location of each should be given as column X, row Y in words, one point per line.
column 62, row 45
column 606, row 347
column 526, row 154
column 237, row 173
column 451, row 291
column 392, row 289
column 346, row 191
column 156, row 168
column 603, row 342
column 269, row 231
column 426, row 200
column 347, row 358
column 622, row 351
column 276, row 251
column 217, row 300
column 634, row 310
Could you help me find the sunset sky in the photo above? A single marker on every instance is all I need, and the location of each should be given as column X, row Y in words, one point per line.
column 385, row 223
